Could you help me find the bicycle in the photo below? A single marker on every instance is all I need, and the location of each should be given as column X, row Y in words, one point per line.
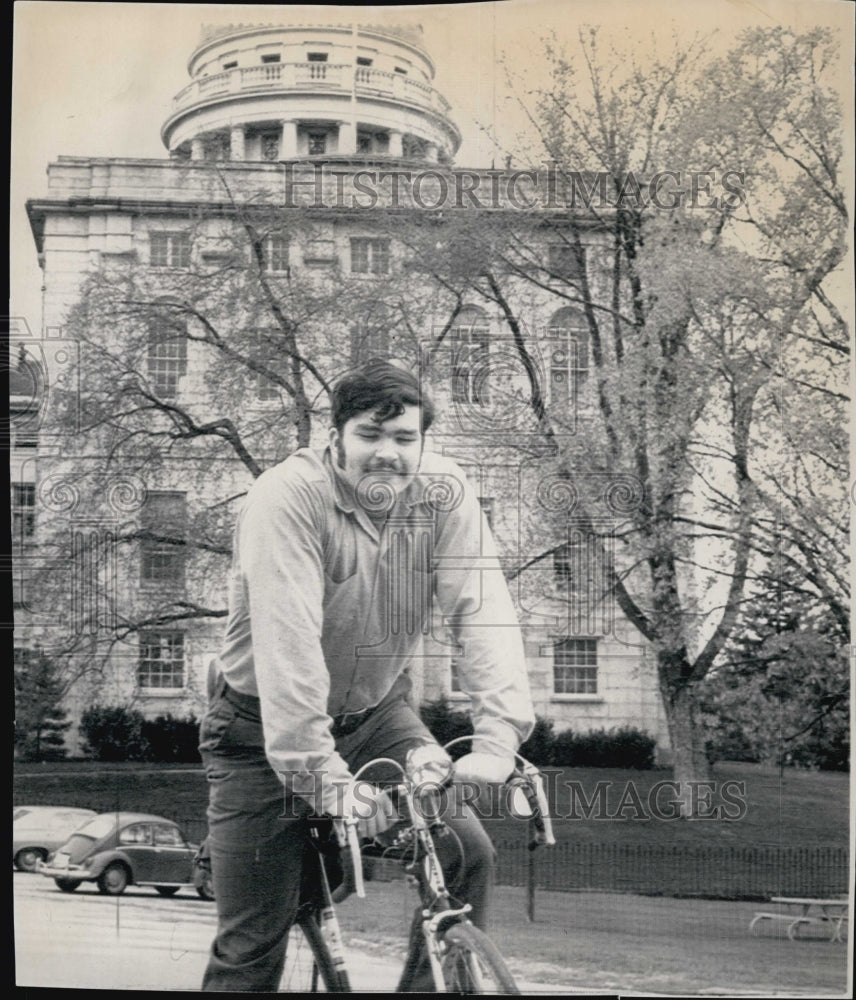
column 462, row 958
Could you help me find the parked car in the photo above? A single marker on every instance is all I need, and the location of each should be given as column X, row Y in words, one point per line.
column 119, row 849
column 37, row 831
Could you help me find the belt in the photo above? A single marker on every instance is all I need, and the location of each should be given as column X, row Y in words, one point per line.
column 343, row 725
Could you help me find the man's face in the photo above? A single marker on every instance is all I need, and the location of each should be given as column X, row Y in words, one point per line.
column 369, row 452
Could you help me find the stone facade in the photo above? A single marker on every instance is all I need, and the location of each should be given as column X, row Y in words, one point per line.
column 588, row 667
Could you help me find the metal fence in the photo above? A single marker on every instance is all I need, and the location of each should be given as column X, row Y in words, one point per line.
column 677, row 869
column 654, row 869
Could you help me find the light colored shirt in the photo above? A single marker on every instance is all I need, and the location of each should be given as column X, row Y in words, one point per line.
column 329, row 607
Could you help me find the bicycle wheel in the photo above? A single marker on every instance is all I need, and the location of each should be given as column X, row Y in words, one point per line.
column 472, row 963
column 309, row 966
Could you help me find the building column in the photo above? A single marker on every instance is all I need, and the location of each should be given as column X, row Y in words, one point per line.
column 431, row 150
column 237, row 149
column 288, row 145
column 395, row 144
column 197, row 148
column 347, row 138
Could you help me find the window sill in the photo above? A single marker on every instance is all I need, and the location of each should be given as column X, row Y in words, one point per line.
column 153, row 692
column 590, row 699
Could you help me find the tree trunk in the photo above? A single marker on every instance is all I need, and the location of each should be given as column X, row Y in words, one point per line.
column 690, row 760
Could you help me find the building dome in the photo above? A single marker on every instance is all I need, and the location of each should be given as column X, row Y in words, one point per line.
column 274, row 92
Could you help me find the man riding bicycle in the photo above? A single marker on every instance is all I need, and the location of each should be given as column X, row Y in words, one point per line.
column 338, row 559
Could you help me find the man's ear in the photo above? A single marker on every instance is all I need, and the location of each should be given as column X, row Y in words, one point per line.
column 334, row 437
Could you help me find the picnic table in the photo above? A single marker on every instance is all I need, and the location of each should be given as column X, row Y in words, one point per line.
column 802, row 911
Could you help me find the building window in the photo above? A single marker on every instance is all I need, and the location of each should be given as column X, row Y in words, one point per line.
column 569, row 353
column 217, row 147
column 455, row 678
column 167, row 358
column 262, row 349
column 412, row 148
column 562, row 262
column 275, row 253
column 369, row 339
column 23, row 511
column 169, row 249
column 164, row 529
column 487, row 509
column 563, row 566
column 403, row 72
column 25, row 439
column 270, row 145
column 369, row 256
column 317, row 143
column 229, row 65
column 161, row 660
column 320, row 57
column 364, row 142
column 363, row 61
column 469, row 339
column 575, row 666
column 273, row 57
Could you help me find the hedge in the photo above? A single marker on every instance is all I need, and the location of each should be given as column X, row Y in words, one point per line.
column 119, row 733
column 625, row 747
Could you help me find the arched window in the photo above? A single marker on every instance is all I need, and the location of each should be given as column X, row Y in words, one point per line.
column 568, row 342
column 469, row 338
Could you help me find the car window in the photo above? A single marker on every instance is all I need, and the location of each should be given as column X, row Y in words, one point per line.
column 138, row 833
column 168, row 835
column 98, row 827
column 64, row 821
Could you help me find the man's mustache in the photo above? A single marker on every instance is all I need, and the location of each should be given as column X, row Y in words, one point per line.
column 382, row 467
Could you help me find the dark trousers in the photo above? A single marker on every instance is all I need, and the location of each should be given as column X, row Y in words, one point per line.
column 257, row 838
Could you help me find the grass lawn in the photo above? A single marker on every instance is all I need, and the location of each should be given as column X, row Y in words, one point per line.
column 799, row 808
column 614, row 942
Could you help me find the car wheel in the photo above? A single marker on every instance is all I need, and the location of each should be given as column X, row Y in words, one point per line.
column 67, row 884
column 204, row 884
column 114, row 879
column 27, row 859
column 167, row 890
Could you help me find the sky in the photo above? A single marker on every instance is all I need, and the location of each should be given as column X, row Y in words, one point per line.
column 96, row 79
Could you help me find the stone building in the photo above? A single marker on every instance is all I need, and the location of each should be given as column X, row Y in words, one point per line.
column 327, row 151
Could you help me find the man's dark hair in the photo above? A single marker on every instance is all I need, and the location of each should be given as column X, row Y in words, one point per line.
column 380, row 386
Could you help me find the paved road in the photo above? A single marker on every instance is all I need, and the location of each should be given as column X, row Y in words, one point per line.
column 140, row 941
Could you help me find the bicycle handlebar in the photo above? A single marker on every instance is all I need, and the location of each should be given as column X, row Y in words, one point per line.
column 527, row 777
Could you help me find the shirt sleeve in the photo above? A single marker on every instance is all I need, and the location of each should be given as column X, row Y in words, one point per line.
column 280, row 545
column 473, row 596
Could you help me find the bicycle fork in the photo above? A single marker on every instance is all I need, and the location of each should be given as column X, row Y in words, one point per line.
column 431, row 931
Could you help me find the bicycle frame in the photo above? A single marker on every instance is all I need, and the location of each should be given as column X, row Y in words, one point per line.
column 421, row 862
column 437, row 909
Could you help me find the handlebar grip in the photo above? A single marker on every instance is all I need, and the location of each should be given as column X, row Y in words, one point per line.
column 530, row 781
column 544, row 811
